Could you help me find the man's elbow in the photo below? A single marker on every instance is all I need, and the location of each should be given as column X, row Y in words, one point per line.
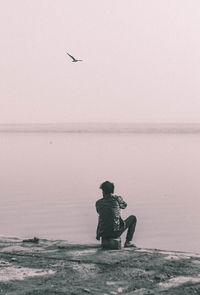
column 123, row 206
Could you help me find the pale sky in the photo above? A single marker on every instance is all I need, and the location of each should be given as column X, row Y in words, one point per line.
column 141, row 61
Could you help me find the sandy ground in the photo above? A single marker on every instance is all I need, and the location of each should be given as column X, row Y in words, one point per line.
column 56, row 267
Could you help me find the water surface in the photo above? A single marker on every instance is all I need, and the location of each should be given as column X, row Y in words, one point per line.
column 49, row 185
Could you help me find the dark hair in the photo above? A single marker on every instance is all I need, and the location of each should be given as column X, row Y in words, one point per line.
column 107, row 187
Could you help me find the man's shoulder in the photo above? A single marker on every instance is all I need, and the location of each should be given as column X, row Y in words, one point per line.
column 118, row 197
column 99, row 201
column 106, row 201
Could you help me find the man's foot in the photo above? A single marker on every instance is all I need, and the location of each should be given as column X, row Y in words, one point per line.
column 129, row 245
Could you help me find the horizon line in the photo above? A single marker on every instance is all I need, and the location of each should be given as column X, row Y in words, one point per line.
column 90, row 122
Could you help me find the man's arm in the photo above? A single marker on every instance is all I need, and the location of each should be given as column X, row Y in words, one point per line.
column 97, row 206
column 122, row 203
column 98, row 234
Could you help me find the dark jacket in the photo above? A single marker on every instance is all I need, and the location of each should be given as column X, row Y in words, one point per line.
column 110, row 221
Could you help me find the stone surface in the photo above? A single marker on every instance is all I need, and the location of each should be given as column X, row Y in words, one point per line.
column 112, row 244
column 60, row 268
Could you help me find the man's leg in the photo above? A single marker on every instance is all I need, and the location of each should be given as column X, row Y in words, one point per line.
column 130, row 223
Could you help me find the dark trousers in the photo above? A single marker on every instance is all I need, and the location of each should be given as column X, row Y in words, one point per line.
column 130, row 224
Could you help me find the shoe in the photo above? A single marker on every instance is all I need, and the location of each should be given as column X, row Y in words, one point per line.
column 129, row 245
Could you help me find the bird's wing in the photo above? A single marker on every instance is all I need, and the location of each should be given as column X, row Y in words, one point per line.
column 71, row 56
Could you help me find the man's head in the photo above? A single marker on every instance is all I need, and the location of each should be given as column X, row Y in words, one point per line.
column 107, row 187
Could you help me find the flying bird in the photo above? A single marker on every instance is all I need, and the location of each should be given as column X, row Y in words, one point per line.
column 73, row 58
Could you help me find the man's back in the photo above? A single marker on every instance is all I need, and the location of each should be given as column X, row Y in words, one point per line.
column 108, row 209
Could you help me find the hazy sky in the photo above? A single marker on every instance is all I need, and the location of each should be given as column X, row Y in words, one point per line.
column 141, row 60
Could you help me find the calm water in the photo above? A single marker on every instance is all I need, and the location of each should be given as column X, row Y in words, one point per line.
column 49, row 185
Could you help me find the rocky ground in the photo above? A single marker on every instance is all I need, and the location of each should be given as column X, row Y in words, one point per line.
column 55, row 267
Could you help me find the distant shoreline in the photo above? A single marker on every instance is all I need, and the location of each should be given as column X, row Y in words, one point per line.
column 137, row 128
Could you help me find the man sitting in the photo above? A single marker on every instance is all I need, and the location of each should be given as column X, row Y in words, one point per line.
column 110, row 224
